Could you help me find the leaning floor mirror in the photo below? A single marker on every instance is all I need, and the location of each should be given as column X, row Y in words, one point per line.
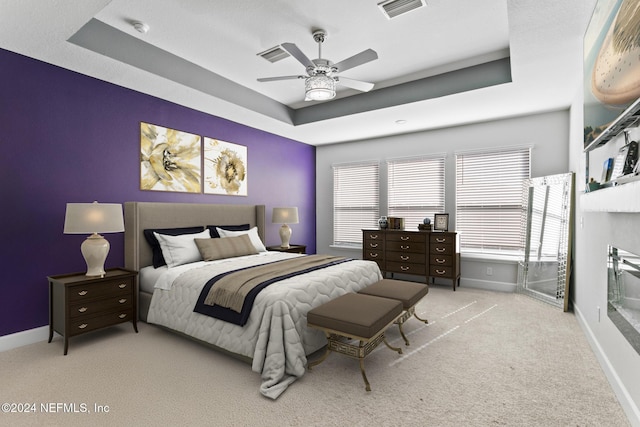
column 547, row 223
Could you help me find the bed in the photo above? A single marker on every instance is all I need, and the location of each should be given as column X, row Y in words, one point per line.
column 275, row 339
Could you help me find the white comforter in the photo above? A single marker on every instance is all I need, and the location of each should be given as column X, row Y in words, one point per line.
column 276, row 336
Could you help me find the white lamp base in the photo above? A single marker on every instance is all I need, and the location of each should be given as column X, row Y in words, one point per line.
column 95, row 250
column 285, row 236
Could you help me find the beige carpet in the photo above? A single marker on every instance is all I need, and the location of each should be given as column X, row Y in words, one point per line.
column 485, row 359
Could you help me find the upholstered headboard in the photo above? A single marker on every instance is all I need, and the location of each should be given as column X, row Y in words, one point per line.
column 139, row 216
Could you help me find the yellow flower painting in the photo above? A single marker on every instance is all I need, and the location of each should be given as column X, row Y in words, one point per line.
column 225, row 168
column 169, row 159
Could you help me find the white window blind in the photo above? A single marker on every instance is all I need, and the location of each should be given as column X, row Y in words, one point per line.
column 355, row 201
column 489, row 198
column 415, row 189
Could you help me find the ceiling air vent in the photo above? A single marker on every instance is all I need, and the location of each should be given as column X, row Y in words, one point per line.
column 393, row 8
column 274, row 54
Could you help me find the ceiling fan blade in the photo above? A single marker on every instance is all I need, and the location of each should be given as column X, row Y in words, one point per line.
column 355, row 84
column 357, row 59
column 273, row 79
column 293, row 50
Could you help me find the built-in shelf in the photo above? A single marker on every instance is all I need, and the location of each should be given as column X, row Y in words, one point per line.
column 620, row 198
column 624, row 121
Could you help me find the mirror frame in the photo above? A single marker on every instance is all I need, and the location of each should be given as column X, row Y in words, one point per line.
column 564, row 254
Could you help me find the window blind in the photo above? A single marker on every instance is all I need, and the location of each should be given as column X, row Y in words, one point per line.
column 489, row 201
column 415, row 189
column 355, row 201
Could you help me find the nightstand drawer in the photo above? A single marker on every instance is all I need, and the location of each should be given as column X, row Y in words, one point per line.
column 83, row 325
column 92, row 290
column 90, row 308
column 409, row 268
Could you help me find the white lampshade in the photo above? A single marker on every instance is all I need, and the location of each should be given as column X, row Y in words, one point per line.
column 284, row 216
column 319, row 88
column 94, row 218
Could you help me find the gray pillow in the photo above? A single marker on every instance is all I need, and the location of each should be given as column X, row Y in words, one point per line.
column 229, row 247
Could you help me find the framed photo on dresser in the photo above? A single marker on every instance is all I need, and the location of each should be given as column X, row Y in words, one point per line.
column 441, row 222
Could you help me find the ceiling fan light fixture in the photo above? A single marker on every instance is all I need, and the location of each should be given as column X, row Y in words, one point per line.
column 319, row 88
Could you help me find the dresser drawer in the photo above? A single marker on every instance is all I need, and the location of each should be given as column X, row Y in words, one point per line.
column 415, row 237
column 372, row 255
column 406, row 257
column 398, row 246
column 372, row 245
column 91, row 308
column 89, row 291
column 405, row 267
column 441, row 260
column 82, row 325
column 372, row 235
column 441, row 249
column 443, row 238
column 441, row 271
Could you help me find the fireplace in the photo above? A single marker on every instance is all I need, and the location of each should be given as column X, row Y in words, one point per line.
column 623, row 294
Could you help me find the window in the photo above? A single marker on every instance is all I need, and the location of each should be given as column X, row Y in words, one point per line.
column 489, row 201
column 355, row 201
column 415, row 189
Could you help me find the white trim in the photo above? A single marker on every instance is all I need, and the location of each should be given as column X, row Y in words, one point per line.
column 30, row 336
column 488, row 285
column 491, row 257
column 626, row 401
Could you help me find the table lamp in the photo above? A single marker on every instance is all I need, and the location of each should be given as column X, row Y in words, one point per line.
column 285, row 216
column 94, row 218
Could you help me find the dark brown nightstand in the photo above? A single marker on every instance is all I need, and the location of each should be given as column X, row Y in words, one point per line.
column 294, row 249
column 79, row 304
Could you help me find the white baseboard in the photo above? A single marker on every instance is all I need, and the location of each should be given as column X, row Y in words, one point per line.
column 628, row 405
column 31, row 336
column 488, row 285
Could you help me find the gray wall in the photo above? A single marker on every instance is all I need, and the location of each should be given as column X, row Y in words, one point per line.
column 547, row 134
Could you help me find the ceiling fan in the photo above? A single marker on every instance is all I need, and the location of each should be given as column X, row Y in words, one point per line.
column 322, row 74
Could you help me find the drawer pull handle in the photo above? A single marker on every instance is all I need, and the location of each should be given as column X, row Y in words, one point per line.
column 84, row 325
column 404, row 238
column 122, row 300
column 440, row 271
column 373, row 245
column 83, row 293
column 373, row 236
column 404, row 247
column 404, row 268
column 82, row 309
column 441, row 249
column 404, row 257
column 440, row 240
column 122, row 316
column 122, row 285
column 440, row 261
column 373, row 255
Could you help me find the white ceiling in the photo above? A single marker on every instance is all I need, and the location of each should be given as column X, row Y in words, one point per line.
column 203, row 54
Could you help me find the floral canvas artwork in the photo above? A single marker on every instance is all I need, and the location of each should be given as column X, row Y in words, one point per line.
column 169, row 160
column 225, row 168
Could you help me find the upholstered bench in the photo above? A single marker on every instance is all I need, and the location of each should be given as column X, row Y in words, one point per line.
column 355, row 317
column 408, row 293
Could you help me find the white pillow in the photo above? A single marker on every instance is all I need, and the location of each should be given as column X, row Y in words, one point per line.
column 182, row 249
column 253, row 235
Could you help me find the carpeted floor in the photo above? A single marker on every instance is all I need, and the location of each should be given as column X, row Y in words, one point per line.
column 485, row 359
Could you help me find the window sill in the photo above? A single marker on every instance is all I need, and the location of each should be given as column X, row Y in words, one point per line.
column 493, row 257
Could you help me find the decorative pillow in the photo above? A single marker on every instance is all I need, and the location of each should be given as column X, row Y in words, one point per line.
column 158, row 259
column 253, row 235
column 214, row 232
column 212, row 249
column 182, row 249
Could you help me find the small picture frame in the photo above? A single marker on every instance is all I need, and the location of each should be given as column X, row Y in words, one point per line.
column 441, row 222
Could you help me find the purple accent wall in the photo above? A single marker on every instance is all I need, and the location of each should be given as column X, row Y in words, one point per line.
column 66, row 137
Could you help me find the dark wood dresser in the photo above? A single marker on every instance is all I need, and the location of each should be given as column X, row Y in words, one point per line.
column 79, row 304
column 421, row 253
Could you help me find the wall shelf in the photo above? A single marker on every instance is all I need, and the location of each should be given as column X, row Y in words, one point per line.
column 620, row 198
